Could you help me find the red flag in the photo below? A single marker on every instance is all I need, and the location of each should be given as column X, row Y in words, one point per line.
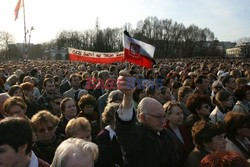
column 95, row 57
column 138, row 52
column 18, row 6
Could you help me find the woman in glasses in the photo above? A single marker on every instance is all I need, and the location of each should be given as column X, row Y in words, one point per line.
column 207, row 138
column 44, row 125
column 223, row 102
column 175, row 116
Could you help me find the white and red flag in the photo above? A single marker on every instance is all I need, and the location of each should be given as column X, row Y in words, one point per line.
column 138, row 52
column 18, row 6
column 95, row 57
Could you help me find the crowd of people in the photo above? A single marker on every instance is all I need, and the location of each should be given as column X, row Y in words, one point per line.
column 180, row 113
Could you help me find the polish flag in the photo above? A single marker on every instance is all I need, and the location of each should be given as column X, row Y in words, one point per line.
column 18, row 6
column 138, row 52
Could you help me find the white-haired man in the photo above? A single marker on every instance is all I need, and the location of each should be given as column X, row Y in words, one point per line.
column 145, row 143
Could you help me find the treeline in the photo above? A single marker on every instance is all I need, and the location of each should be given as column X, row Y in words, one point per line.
column 170, row 38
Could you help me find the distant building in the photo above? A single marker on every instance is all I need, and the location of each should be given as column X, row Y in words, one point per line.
column 55, row 54
column 240, row 50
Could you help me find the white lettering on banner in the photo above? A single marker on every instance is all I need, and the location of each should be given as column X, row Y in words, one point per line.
column 94, row 54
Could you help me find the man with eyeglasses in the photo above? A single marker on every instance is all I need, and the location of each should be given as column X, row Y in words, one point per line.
column 145, row 143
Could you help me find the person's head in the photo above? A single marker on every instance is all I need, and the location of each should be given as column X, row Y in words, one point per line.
column 151, row 114
column 55, row 103
column 183, row 93
column 199, row 105
column 75, row 81
column 139, row 94
column 108, row 116
column 75, row 152
column 115, row 96
column 27, row 89
column 217, row 86
column 49, row 85
column 153, row 91
column 15, row 141
column 103, row 75
column 14, row 107
column 241, row 81
column 242, row 93
column 44, row 125
column 165, row 94
column 87, row 104
column 3, row 98
column 79, row 128
column 223, row 99
column 229, row 82
column 224, row 159
column 16, row 90
column 68, row 108
column 174, row 113
column 202, row 82
column 237, row 124
column 208, row 136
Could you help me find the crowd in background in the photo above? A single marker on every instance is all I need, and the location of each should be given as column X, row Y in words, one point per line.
column 180, row 113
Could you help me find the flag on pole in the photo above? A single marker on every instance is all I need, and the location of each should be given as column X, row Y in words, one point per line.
column 138, row 52
column 18, row 6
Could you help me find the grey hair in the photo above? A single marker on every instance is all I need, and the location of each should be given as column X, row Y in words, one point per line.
column 142, row 106
column 72, row 148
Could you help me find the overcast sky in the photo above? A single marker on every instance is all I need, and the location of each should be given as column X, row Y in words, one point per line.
column 228, row 19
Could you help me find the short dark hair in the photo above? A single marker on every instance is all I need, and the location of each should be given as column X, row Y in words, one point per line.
column 16, row 132
column 199, row 79
column 86, row 100
column 203, row 131
column 195, row 101
column 240, row 92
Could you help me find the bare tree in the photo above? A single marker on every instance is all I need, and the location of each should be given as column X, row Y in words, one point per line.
column 5, row 40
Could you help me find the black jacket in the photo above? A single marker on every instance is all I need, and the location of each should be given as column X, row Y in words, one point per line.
column 143, row 147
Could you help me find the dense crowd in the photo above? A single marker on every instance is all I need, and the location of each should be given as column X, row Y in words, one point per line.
column 180, row 113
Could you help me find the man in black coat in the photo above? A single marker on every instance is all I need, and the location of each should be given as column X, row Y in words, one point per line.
column 145, row 143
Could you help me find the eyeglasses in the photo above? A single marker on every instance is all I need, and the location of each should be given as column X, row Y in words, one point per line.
column 159, row 117
column 43, row 130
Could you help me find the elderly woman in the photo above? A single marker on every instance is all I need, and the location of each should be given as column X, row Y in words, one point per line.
column 224, row 102
column 174, row 115
column 69, row 111
column 207, row 138
column 199, row 106
column 14, row 107
column 242, row 94
column 75, row 152
column 110, row 151
column 44, row 125
column 237, row 125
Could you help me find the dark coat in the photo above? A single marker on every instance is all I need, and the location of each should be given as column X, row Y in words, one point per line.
column 188, row 145
column 143, row 147
column 110, row 154
column 195, row 157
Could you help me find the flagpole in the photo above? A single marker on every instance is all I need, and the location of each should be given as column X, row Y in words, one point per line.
column 25, row 56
